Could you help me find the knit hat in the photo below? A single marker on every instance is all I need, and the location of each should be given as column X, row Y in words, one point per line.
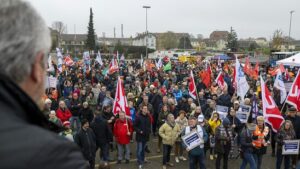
column 66, row 123
column 226, row 122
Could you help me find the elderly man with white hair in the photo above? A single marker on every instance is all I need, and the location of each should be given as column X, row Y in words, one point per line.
column 26, row 140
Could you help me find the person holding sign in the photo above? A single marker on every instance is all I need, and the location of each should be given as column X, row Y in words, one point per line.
column 286, row 132
column 195, row 134
column 261, row 136
column 169, row 132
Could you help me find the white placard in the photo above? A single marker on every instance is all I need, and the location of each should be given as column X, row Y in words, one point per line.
column 192, row 140
column 290, row 147
column 222, row 110
column 51, row 82
column 243, row 113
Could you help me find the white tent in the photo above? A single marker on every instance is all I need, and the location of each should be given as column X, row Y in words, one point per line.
column 291, row 61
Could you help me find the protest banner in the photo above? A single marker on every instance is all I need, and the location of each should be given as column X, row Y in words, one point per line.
column 192, row 140
column 222, row 110
column 290, row 147
column 243, row 113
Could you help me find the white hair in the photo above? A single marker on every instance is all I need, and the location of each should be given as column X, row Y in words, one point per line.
column 23, row 34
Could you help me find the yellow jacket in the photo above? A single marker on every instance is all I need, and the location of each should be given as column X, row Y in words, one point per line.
column 169, row 134
column 214, row 124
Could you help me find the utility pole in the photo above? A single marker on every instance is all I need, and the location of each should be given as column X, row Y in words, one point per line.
column 291, row 14
column 146, row 7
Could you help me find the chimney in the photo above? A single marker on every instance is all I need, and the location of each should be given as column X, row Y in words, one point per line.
column 114, row 32
column 122, row 35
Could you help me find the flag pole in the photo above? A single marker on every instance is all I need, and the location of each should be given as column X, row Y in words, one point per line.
column 196, row 89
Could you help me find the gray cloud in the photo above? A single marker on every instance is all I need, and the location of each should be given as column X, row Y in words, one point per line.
column 250, row 18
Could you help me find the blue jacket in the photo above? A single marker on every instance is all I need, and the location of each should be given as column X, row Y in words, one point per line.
column 177, row 94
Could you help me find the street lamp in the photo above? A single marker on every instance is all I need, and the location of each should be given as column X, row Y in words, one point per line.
column 147, row 7
column 291, row 12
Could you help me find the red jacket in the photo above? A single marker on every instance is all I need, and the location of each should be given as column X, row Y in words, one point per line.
column 121, row 129
column 63, row 115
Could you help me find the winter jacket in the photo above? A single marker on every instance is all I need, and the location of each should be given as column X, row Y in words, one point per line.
column 169, row 133
column 86, row 113
column 102, row 131
column 246, row 141
column 296, row 124
column 63, row 114
column 121, row 128
column 224, row 100
column 238, row 124
column 177, row 94
column 74, row 107
column 284, row 135
column 214, row 124
column 27, row 141
column 223, row 139
column 142, row 126
column 162, row 117
column 259, row 148
column 86, row 140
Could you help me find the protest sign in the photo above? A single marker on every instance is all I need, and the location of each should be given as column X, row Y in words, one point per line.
column 222, row 110
column 243, row 113
column 192, row 140
column 290, row 147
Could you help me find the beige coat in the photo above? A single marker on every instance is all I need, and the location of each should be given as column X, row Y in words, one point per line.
column 169, row 134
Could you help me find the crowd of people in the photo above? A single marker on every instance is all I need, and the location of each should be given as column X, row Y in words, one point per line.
column 161, row 107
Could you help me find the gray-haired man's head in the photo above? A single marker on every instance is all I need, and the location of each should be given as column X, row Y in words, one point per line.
column 24, row 43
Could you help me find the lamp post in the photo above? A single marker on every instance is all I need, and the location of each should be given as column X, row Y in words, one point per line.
column 146, row 7
column 291, row 14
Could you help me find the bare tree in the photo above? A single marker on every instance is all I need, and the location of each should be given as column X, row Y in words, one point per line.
column 61, row 28
column 278, row 39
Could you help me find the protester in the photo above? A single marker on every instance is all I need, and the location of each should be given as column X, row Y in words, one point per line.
column 162, row 117
column 86, row 112
column 169, row 132
column 142, row 126
column 213, row 122
column 86, row 140
column 103, row 135
column 247, row 146
column 223, row 139
column 196, row 155
column 261, row 136
column 67, row 132
column 75, row 106
column 123, row 129
column 54, row 119
column 63, row 113
column 47, row 107
column 286, row 132
column 182, row 122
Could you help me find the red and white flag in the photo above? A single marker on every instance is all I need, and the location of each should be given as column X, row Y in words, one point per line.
column 293, row 98
column 271, row 112
column 192, row 86
column 220, row 80
column 234, row 77
column 120, row 102
column 113, row 66
column 69, row 61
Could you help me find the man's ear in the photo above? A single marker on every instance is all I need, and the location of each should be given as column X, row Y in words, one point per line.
column 38, row 68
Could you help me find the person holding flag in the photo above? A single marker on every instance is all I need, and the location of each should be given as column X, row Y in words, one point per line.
column 280, row 86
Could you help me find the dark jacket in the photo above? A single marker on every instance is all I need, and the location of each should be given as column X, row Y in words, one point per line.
column 74, row 108
column 102, row 131
column 86, row 113
column 223, row 138
column 26, row 140
column 246, row 141
column 142, row 126
column 224, row 100
column 86, row 140
column 238, row 124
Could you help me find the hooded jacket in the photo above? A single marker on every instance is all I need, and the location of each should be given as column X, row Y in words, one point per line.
column 26, row 137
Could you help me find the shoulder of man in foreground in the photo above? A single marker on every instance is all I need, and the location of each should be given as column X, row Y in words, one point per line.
column 28, row 146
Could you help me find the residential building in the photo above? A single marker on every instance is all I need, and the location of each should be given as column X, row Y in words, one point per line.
column 219, row 35
column 110, row 41
column 262, row 42
column 143, row 40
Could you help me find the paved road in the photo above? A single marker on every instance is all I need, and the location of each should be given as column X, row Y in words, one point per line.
column 155, row 160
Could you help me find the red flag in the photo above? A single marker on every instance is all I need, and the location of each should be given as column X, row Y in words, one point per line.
column 120, row 102
column 294, row 95
column 113, row 66
column 68, row 61
column 274, row 71
column 271, row 112
column 220, row 80
column 247, row 67
column 286, row 75
column 192, row 86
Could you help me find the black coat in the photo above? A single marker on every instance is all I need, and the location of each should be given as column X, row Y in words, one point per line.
column 142, row 126
column 26, row 140
column 102, row 131
column 86, row 140
column 86, row 113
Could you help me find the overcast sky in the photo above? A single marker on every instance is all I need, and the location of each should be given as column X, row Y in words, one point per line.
column 250, row 18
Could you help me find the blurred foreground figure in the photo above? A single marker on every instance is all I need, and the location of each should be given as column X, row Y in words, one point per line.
column 26, row 139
